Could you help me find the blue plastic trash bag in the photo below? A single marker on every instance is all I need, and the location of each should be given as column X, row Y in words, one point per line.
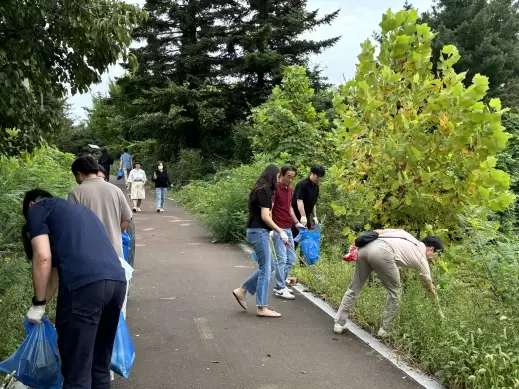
column 120, row 174
column 310, row 242
column 36, row 361
column 126, row 246
column 123, row 353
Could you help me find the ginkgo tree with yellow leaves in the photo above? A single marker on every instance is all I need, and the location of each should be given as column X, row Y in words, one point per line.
column 418, row 148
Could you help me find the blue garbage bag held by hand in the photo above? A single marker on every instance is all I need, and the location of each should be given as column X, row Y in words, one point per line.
column 126, row 246
column 120, row 174
column 123, row 353
column 310, row 241
column 36, row 361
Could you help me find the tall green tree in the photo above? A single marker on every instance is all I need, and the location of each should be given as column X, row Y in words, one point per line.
column 46, row 47
column 268, row 38
column 486, row 33
column 419, row 150
column 207, row 63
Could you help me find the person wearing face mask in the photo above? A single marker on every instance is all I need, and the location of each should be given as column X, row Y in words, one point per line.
column 162, row 181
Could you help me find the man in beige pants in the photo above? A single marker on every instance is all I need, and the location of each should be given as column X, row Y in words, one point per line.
column 392, row 249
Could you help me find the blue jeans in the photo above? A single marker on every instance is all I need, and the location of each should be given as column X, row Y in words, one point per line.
column 161, row 196
column 286, row 256
column 258, row 282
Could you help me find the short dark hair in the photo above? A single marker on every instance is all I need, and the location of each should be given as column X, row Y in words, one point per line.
column 33, row 196
column 318, row 170
column 85, row 165
column 434, row 242
column 125, row 149
column 288, row 168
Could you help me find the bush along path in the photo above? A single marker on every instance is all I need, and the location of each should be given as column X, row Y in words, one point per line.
column 189, row 332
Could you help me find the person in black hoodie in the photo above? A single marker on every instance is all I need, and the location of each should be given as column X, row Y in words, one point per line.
column 162, row 181
column 105, row 160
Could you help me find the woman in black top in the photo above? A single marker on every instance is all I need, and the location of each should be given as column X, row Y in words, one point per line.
column 162, row 181
column 258, row 227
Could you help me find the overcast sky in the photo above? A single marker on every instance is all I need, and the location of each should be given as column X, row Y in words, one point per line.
column 356, row 22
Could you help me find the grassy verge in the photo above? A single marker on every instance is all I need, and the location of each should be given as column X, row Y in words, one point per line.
column 47, row 169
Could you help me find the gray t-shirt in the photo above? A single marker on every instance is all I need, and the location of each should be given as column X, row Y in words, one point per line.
column 107, row 201
column 409, row 251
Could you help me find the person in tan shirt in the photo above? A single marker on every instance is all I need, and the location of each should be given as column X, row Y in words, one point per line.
column 393, row 249
column 105, row 199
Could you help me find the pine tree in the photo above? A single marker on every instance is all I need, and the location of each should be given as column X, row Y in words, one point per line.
column 270, row 40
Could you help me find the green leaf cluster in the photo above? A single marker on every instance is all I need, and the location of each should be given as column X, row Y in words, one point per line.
column 419, row 149
column 288, row 122
column 47, row 48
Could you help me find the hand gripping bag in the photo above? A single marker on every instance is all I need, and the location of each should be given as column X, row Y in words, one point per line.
column 123, row 353
column 310, row 242
column 36, row 362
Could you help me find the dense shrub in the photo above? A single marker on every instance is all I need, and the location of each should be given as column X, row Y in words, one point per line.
column 48, row 169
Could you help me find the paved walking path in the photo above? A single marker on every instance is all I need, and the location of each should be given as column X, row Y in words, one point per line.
column 189, row 332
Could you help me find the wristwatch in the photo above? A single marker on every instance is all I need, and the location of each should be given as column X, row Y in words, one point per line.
column 37, row 303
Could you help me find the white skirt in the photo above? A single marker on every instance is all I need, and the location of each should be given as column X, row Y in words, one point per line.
column 138, row 192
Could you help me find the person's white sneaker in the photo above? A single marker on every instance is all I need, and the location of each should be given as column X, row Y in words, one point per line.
column 288, row 289
column 284, row 294
column 339, row 329
column 382, row 333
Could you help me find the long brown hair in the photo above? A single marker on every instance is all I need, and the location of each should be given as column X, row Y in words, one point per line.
column 267, row 179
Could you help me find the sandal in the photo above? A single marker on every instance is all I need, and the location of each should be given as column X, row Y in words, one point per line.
column 242, row 303
column 267, row 313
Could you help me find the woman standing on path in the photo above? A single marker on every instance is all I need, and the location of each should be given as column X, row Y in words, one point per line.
column 137, row 179
column 162, row 181
column 259, row 226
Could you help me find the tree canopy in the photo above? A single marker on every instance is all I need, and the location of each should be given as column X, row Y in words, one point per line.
column 48, row 47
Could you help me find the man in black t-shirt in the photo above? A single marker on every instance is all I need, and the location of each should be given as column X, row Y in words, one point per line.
column 304, row 200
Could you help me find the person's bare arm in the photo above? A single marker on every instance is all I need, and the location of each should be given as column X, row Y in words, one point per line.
column 266, row 217
column 293, row 216
column 53, row 284
column 314, row 211
column 301, row 207
column 126, row 212
column 41, row 265
column 124, row 225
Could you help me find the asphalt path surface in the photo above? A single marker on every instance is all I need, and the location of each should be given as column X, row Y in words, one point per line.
column 189, row 331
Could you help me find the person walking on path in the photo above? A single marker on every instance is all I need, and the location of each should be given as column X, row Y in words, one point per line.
column 106, row 200
column 137, row 179
column 391, row 250
column 284, row 217
column 162, row 182
column 126, row 164
column 91, row 286
column 259, row 225
column 105, row 160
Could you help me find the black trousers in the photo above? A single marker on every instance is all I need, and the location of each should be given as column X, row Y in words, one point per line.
column 86, row 321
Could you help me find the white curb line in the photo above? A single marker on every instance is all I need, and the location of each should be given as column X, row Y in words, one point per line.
column 422, row 379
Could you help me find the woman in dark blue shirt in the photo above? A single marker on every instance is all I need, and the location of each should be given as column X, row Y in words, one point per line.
column 258, row 227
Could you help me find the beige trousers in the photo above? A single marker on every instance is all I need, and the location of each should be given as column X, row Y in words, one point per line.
column 377, row 256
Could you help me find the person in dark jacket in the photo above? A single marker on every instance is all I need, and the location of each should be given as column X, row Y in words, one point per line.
column 162, row 182
column 105, row 160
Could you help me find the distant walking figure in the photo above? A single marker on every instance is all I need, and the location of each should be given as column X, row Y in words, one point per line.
column 137, row 179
